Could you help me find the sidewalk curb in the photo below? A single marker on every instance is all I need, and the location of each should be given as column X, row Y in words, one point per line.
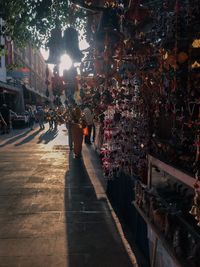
column 94, row 171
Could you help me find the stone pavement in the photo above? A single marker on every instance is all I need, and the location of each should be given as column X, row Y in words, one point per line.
column 53, row 210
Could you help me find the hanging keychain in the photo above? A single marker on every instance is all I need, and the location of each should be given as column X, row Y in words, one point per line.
column 195, row 210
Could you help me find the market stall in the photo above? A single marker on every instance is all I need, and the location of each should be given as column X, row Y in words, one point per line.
column 146, row 69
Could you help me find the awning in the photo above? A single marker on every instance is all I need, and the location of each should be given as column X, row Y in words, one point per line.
column 10, row 88
column 34, row 92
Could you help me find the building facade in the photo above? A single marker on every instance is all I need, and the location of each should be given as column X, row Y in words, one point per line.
column 23, row 75
column 32, row 71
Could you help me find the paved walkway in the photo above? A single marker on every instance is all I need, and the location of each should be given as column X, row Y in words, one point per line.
column 54, row 212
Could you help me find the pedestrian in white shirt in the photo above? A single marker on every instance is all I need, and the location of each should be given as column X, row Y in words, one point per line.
column 89, row 118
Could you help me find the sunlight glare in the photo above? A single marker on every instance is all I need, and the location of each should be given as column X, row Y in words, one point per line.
column 45, row 53
column 65, row 63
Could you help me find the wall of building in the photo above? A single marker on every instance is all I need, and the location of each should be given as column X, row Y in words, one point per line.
column 31, row 59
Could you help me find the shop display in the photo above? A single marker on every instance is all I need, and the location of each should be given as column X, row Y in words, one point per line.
column 157, row 51
column 165, row 204
column 145, row 61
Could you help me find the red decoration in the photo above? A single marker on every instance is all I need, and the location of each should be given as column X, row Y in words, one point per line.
column 177, row 7
column 196, row 186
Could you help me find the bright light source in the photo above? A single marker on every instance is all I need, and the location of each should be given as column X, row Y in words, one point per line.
column 45, row 53
column 65, row 63
column 83, row 44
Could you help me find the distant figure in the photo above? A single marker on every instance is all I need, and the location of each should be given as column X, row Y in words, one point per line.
column 55, row 119
column 6, row 115
column 40, row 116
column 2, row 122
column 31, row 118
column 50, row 118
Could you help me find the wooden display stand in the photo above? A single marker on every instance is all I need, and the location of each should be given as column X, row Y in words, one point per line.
column 179, row 175
column 159, row 237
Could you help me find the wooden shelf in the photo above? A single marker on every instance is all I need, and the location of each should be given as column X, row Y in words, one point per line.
column 177, row 174
column 159, row 236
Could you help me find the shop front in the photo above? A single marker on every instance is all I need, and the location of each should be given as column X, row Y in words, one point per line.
column 34, row 98
column 12, row 95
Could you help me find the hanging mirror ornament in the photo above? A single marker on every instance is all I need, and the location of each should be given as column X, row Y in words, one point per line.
column 55, row 46
column 71, row 44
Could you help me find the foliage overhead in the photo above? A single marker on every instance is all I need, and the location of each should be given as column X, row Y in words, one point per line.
column 34, row 19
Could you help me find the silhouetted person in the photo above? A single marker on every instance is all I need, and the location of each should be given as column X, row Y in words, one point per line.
column 40, row 116
column 5, row 112
column 89, row 118
column 31, row 118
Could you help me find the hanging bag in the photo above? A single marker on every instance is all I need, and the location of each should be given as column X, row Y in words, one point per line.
column 85, row 131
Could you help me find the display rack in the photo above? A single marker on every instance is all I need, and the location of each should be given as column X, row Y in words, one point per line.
column 159, row 237
column 179, row 175
column 159, row 174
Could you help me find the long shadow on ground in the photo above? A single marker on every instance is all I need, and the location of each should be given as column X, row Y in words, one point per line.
column 28, row 138
column 15, row 138
column 91, row 235
column 48, row 136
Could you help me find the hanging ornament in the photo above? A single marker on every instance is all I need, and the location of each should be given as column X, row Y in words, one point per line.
column 55, row 46
column 182, row 57
column 195, row 65
column 71, row 44
column 177, row 7
column 196, row 43
column 171, row 60
column 195, row 210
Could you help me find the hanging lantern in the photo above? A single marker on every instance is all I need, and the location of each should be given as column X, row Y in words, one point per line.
column 71, row 44
column 55, row 46
column 170, row 59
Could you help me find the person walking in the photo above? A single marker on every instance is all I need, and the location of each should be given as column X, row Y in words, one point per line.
column 69, row 125
column 6, row 115
column 55, row 119
column 89, row 123
column 50, row 118
column 77, row 131
column 31, row 118
column 40, row 116
column 2, row 122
